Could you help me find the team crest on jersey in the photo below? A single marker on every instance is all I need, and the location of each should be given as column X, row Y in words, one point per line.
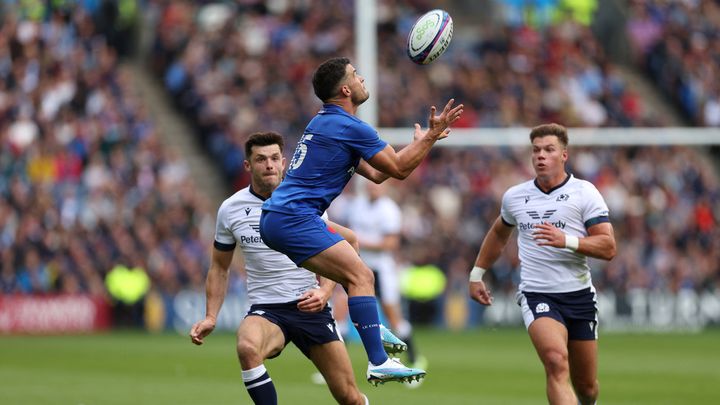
column 563, row 197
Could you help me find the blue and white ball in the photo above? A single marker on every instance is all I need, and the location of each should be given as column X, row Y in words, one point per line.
column 429, row 36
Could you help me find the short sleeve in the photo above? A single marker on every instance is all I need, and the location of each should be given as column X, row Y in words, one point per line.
column 594, row 210
column 224, row 238
column 505, row 213
column 364, row 139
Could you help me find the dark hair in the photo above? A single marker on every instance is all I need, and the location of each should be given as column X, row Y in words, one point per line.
column 550, row 129
column 327, row 77
column 263, row 139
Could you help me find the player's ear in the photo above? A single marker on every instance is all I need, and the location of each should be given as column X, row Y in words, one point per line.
column 246, row 165
column 565, row 155
column 282, row 168
column 345, row 90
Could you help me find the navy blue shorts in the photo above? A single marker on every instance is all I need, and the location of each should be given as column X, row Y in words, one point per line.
column 576, row 310
column 304, row 329
column 299, row 237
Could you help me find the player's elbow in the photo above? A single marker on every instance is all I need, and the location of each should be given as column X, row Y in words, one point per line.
column 610, row 252
column 400, row 174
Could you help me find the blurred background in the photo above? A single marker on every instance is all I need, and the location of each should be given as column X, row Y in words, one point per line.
column 122, row 126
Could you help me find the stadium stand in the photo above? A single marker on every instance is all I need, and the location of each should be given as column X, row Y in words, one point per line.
column 676, row 42
column 86, row 183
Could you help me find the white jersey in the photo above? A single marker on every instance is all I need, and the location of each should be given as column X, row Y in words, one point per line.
column 271, row 276
column 372, row 221
column 573, row 206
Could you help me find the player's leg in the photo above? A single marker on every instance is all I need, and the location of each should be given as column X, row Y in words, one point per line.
column 341, row 263
column 549, row 337
column 387, row 288
column 333, row 362
column 583, row 370
column 312, row 244
column 258, row 339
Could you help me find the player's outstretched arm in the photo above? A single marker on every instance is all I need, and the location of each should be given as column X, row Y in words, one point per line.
column 400, row 164
column 490, row 250
column 215, row 290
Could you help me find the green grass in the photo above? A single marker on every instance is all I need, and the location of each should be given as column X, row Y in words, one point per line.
column 474, row 367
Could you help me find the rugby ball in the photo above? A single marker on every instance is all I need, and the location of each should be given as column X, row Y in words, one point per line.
column 430, row 36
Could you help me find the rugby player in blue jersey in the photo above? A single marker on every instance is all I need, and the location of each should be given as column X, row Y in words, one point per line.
column 334, row 146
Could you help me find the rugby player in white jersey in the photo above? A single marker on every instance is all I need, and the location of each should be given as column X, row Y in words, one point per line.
column 287, row 302
column 561, row 220
column 377, row 221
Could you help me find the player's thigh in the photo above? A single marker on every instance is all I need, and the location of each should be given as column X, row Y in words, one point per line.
column 583, row 356
column 261, row 336
column 550, row 339
column 340, row 263
column 333, row 362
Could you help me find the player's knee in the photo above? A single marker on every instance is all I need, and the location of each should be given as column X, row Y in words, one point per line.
column 247, row 350
column 587, row 391
column 556, row 362
column 367, row 277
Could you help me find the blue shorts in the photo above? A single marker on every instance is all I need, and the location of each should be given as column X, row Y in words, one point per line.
column 576, row 310
column 299, row 237
column 304, row 329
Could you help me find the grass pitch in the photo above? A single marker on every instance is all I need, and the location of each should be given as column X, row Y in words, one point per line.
column 472, row 367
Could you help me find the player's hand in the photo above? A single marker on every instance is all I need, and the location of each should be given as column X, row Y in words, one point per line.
column 439, row 125
column 546, row 234
column 201, row 329
column 480, row 293
column 313, row 301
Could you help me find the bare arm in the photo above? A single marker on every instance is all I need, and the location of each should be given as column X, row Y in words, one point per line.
column 215, row 290
column 400, row 164
column 490, row 250
column 493, row 244
column 376, row 176
column 600, row 242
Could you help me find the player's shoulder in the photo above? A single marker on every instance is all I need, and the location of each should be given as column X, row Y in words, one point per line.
column 580, row 184
column 242, row 197
column 521, row 188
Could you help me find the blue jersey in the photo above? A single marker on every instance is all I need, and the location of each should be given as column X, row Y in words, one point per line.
column 324, row 160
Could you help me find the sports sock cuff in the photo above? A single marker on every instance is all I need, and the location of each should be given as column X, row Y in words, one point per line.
column 367, row 401
column 361, row 299
column 253, row 373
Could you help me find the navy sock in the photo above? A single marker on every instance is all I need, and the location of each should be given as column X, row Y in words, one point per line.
column 260, row 386
column 364, row 315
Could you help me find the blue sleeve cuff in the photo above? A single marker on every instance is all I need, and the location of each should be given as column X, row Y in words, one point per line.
column 594, row 221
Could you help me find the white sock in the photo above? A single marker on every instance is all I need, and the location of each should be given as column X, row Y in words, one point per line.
column 253, row 373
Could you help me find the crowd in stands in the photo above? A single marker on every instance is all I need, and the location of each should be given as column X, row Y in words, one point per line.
column 86, row 184
column 677, row 43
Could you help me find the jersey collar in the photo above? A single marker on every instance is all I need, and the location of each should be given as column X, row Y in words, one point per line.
column 554, row 188
column 256, row 194
column 331, row 108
